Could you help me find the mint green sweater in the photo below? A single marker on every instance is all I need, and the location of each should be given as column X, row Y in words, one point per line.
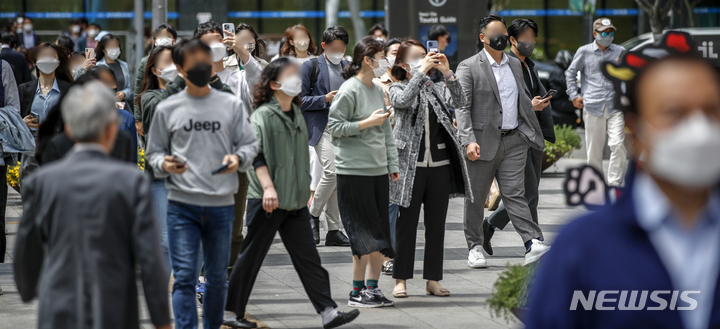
column 370, row 152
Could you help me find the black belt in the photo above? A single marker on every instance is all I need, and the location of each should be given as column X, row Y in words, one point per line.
column 505, row 132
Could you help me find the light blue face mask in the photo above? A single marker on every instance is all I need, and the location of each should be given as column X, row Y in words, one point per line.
column 604, row 41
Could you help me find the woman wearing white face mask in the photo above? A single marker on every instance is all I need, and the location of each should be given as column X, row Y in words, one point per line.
column 108, row 54
column 432, row 163
column 278, row 203
column 160, row 71
column 37, row 97
column 299, row 45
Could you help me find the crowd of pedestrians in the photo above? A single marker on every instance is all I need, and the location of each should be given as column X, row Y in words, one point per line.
column 231, row 140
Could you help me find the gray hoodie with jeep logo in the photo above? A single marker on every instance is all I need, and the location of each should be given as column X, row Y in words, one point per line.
column 202, row 130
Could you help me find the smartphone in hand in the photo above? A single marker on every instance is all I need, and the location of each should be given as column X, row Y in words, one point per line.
column 551, row 92
column 228, row 27
column 432, row 46
column 179, row 160
column 89, row 53
column 34, row 116
column 221, row 169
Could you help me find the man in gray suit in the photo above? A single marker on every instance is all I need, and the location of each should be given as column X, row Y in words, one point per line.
column 88, row 220
column 496, row 125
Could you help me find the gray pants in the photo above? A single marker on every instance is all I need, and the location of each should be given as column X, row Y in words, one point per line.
column 508, row 167
column 533, row 169
column 326, row 190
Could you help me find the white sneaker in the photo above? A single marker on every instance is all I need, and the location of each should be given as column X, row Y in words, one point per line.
column 476, row 259
column 537, row 249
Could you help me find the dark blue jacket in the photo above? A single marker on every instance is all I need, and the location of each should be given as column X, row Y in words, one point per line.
column 604, row 250
column 314, row 107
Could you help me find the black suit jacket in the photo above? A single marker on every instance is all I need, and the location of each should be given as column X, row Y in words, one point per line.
column 544, row 116
column 21, row 39
column 19, row 64
column 61, row 145
column 27, row 94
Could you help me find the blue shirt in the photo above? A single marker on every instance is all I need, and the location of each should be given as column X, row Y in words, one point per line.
column 596, row 90
column 129, row 126
column 691, row 255
column 41, row 105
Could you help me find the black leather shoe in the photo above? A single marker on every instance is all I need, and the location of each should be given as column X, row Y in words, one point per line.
column 336, row 238
column 342, row 318
column 240, row 323
column 315, row 225
column 488, row 232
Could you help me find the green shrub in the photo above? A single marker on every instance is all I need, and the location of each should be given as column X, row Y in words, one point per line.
column 511, row 290
column 566, row 140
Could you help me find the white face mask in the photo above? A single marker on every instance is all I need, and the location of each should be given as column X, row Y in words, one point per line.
column 381, row 40
column 302, row 45
column 291, row 86
column 391, row 60
column 169, row 73
column 27, row 27
column 334, row 58
column 218, row 51
column 75, row 29
column 47, row 65
column 92, row 33
column 689, row 153
column 415, row 66
column 381, row 69
column 113, row 53
column 164, row 42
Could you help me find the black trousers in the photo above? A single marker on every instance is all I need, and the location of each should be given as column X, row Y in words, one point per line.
column 431, row 188
column 296, row 234
column 3, row 204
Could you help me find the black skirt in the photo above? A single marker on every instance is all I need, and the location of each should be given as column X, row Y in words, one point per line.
column 364, row 211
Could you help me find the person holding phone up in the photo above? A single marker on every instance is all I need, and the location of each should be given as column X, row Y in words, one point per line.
column 522, row 33
column 431, row 158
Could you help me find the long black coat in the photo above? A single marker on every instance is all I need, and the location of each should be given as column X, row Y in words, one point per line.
column 88, row 221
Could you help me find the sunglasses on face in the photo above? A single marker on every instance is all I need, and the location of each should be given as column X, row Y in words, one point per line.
column 606, row 34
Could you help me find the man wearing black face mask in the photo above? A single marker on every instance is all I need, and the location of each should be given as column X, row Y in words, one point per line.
column 199, row 139
column 523, row 32
column 497, row 126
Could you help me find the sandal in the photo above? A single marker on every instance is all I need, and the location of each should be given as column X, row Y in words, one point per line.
column 437, row 290
column 399, row 292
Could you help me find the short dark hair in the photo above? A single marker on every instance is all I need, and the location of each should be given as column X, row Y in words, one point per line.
column 8, row 38
column 65, row 41
column 82, row 20
column 99, row 53
column 487, row 20
column 518, row 27
column 437, row 31
column 380, row 27
column 335, row 33
column 167, row 27
column 183, row 47
column 393, row 41
column 207, row 27
column 96, row 25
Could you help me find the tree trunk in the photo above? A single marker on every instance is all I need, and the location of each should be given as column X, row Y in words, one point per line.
column 358, row 23
column 331, row 12
column 656, row 25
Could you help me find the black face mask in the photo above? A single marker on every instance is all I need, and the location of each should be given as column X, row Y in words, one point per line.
column 525, row 48
column 199, row 74
column 449, row 39
column 498, row 42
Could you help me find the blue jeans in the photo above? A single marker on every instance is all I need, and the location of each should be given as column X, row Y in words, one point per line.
column 160, row 197
column 188, row 226
column 394, row 211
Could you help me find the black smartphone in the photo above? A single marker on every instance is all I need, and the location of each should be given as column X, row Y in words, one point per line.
column 221, row 169
column 550, row 92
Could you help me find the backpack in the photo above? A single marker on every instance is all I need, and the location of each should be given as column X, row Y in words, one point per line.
column 314, row 72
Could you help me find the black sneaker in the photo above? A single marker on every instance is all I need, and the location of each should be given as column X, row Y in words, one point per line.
column 240, row 323
column 364, row 299
column 387, row 268
column 380, row 297
column 342, row 318
column 488, row 232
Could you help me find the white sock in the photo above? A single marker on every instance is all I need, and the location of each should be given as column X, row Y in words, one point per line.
column 229, row 316
column 329, row 314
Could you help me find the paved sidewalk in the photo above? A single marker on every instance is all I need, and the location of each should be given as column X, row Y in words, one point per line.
column 279, row 300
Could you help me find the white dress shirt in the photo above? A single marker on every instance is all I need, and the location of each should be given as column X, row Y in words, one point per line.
column 507, row 86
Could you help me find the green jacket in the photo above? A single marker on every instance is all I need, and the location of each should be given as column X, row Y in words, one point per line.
column 139, row 76
column 283, row 143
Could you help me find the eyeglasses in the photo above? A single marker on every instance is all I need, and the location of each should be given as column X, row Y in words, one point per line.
column 606, row 34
